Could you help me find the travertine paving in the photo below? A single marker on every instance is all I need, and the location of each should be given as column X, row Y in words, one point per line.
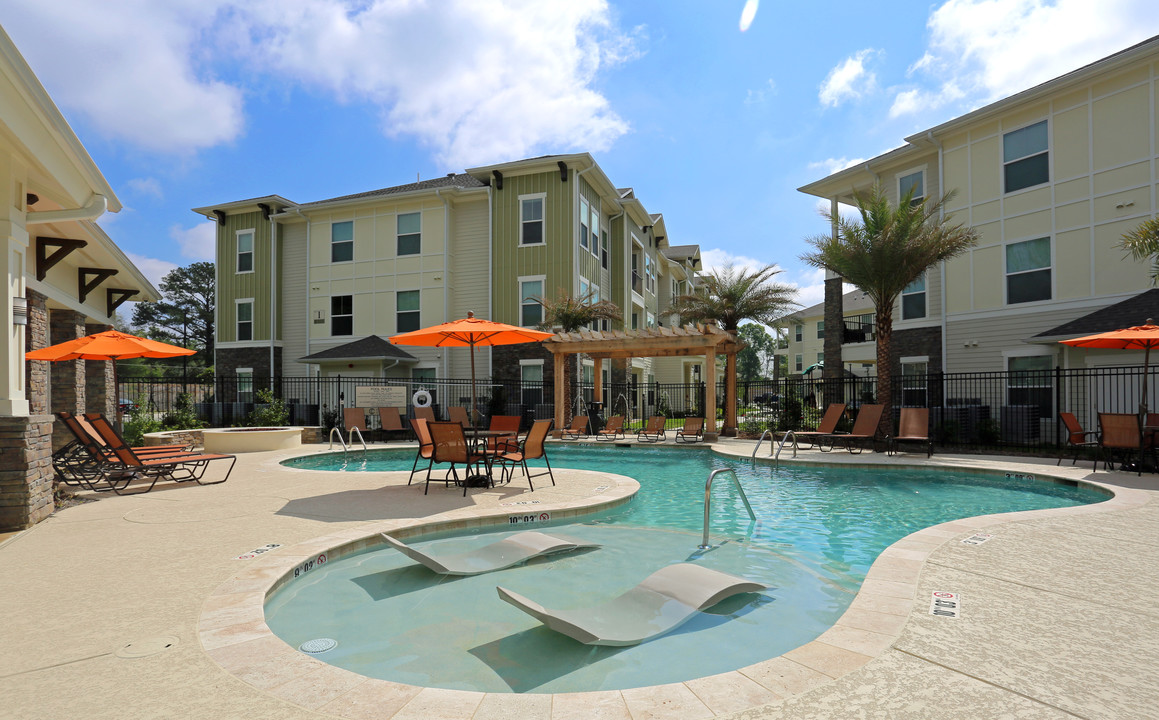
column 136, row 607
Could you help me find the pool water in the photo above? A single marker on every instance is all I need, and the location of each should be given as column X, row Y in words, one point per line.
column 818, row 531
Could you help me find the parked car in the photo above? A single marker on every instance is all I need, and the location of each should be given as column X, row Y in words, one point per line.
column 767, row 399
column 126, row 405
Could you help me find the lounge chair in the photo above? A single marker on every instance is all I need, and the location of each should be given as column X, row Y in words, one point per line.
column 577, row 429
column 505, row 553
column 354, row 419
column 825, row 428
column 83, row 461
column 425, row 413
column 614, row 430
column 129, row 466
column 912, row 426
column 533, row 447
column 865, row 430
column 665, row 600
column 1076, row 437
column 458, row 413
column 1120, row 434
column 450, row 446
column 653, row 431
column 693, row 431
column 390, row 421
column 426, row 447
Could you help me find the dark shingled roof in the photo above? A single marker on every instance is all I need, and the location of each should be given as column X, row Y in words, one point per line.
column 369, row 347
column 459, row 180
column 1128, row 313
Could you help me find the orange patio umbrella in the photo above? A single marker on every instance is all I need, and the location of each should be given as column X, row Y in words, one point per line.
column 109, row 345
column 469, row 332
column 1141, row 337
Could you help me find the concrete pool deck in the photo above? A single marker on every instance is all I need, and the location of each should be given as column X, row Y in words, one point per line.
column 125, row 608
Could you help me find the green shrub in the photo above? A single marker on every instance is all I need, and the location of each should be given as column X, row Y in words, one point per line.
column 137, row 423
column 182, row 417
column 270, row 411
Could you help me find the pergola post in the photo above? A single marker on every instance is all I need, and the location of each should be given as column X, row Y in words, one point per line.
column 598, row 368
column 560, row 394
column 731, row 399
column 710, row 394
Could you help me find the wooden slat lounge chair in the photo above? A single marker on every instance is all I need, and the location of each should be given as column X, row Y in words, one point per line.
column 390, row 420
column 1076, row 437
column 913, row 426
column 614, row 430
column 1120, row 434
column 450, row 446
column 533, row 447
column 653, row 431
column 501, row 554
column 825, row 428
column 693, row 431
column 426, row 449
column 577, row 429
column 865, row 430
column 129, row 466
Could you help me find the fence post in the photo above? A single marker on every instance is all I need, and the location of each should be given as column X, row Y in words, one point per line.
column 1057, row 404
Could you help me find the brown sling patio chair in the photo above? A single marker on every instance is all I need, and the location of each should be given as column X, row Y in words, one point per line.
column 578, row 428
column 128, row 465
column 1120, row 434
column 653, row 431
column 390, row 421
column 458, row 414
column 426, row 449
column 693, row 431
column 614, row 430
column 912, row 426
column 450, row 446
column 826, row 427
column 82, row 461
column 532, row 447
column 425, row 412
column 354, row 419
column 865, row 430
column 1076, row 437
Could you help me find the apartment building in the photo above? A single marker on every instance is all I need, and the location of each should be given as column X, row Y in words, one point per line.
column 806, row 331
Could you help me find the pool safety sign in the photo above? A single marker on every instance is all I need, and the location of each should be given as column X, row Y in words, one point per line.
column 977, row 539
column 310, row 565
column 1020, row 476
column 945, row 604
column 258, row 551
column 534, row 518
column 522, row 502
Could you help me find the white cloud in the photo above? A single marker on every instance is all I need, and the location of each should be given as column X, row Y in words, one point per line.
column 849, row 80
column 152, row 268
column 146, row 186
column 760, row 95
column 983, row 50
column 832, row 165
column 198, row 242
column 717, row 258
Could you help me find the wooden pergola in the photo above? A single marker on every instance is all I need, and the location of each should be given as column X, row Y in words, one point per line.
column 706, row 340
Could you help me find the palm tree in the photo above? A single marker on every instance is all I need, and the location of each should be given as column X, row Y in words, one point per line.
column 571, row 314
column 884, row 251
column 1143, row 244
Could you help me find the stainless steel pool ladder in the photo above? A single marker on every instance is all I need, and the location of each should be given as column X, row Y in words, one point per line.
column 340, row 440
column 353, row 431
column 708, row 500
column 776, row 451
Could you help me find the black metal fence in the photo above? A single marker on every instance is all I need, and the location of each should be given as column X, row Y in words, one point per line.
column 994, row 411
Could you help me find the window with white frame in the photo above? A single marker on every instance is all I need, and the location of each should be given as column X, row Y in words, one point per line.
column 649, row 274
column 341, row 315
column 820, row 329
column 245, row 251
column 530, row 311
column 584, row 213
column 820, row 358
column 407, row 313
column 635, row 321
column 798, row 332
column 913, row 299
column 799, row 362
column 422, row 374
column 1029, row 382
column 604, row 249
column 915, row 183
column 913, row 381
column 245, row 384
column 595, row 299
column 531, row 378
column 342, row 241
column 1028, row 271
column 1025, row 157
column 245, row 320
column 410, row 233
column 531, row 217
column 595, row 229
column 651, row 320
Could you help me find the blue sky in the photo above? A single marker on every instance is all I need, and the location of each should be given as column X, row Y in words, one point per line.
column 185, row 103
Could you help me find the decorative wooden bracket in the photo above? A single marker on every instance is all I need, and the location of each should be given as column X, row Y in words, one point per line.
column 115, row 297
column 44, row 261
column 265, row 210
column 498, row 179
column 88, row 278
column 220, row 215
column 562, row 171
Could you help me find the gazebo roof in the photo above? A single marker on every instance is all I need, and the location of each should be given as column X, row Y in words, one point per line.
column 649, row 342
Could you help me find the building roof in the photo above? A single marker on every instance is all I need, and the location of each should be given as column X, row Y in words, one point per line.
column 371, row 347
column 458, row 180
column 852, row 300
column 1128, row 313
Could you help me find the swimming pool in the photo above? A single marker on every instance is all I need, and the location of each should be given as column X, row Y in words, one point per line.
column 818, row 531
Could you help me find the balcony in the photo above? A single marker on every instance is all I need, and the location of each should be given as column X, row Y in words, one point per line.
column 858, row 332
column 637, row 283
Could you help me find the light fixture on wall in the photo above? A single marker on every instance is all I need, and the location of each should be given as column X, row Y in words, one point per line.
column 19, row 311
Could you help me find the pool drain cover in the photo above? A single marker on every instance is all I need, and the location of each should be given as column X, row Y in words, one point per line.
column 146, row 647
column 320, row 645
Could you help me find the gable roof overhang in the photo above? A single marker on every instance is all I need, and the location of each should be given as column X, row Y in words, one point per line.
column 1133, row 311
column 371, row 347
column 275, row 203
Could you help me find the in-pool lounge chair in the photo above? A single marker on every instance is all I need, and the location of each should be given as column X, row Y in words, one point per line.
column 505, row 553
column 128, row 465
column 665, row 600
column 653, row 431
column 913, row 426
column 693, row 431
column 577, row 429
column 865, row 430
column 826, row 427
column 614, row 430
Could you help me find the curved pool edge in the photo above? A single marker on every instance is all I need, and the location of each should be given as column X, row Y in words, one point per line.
column 234, row 615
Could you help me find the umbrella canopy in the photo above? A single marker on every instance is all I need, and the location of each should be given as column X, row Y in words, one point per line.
column 1141, row 337
column 469, row 332
column 109, row 345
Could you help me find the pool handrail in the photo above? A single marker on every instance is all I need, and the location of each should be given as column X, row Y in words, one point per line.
column 772, row 439
column 354, row 430
column 707, row 500
column 340, row 440
column 781, row 446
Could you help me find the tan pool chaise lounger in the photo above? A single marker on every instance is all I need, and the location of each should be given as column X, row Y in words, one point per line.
column 496, row 556
column 664, row 601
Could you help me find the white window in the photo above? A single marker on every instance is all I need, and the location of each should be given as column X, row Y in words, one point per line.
column 245, row 251
column 913, row 381
column 651, row 320
column 584, row 213
column 1030, row 382
column 913, row 299
column 798, row 332
column 820, row 357
column 342, row 315
column 342, row 241
column 604, row 249
column 407, row 314
column 595, row 228
column 914, row 182
column 1025, row 157
column 531, row 217
column 410, row 237
column 649, row 274
column 820, row 329
column 1028, row 276
column 245, row 319
column 531, row 378
column 245, row 384
column 422, row 373
column 799, row 363
column 530, row 311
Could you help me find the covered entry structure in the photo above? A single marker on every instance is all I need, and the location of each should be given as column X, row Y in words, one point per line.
column 707, row 340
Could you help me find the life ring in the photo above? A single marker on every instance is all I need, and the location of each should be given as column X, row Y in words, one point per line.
column 421, row 398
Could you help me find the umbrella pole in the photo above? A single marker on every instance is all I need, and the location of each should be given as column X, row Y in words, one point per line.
column 117, row 397
column 1143, row 400
column 474, row 404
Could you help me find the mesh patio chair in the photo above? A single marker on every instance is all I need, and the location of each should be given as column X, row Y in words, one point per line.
column 577, row 429
column 128, row 465
column 390, row 421
column 451, row 447
column 693, row 431
column 614, row 430
column 507, row 424
column 354, row 419
column 1076, row 437
column 426, row 449
column 865, row 430
column 532, row 447
column 912, row 426
column 653, row 431
column 1120, row 434
column 458, row 413
column 426, row 413
column 825, row 428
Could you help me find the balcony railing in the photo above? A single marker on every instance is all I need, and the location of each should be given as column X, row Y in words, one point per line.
column 637, row 283
column 858, row 332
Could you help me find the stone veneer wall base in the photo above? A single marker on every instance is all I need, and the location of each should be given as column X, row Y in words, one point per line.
column 26, row 492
